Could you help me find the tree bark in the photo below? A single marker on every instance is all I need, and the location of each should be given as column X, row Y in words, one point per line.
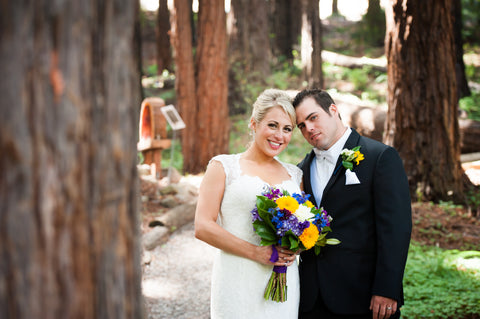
column 239, row 46
column 374, row 22
column 185, row 85
column 202, row 87
column 462, row 83
column 282, row 28
column 334, row 7
column 211, row 136
column 258, row 37
column 311, row 43
column 69, row 229
column 422, row 120
column 249, row 36
column 164, row 53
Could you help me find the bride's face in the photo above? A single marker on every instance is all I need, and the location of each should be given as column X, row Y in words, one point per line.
column 273, row 133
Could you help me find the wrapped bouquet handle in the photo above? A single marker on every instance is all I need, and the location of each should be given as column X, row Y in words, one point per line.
column 277, row 284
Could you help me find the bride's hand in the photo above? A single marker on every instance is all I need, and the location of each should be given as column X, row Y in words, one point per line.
column 285, row 256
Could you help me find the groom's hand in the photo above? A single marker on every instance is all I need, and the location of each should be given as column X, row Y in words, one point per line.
column 382, row 307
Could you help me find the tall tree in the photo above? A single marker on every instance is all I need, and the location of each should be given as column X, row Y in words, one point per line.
column 69, row 229
column 282, row 28
column 422, row 120
column 335, row 7
column 374, row 24
column 462, row 83
column 249, row 36
column 201, row 87
column 164, row 53
column 212, row 86
column 311, row 43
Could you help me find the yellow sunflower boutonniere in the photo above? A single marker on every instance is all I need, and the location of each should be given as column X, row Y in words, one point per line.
column 351, row 156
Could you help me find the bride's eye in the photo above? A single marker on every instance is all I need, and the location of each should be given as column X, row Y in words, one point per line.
column 272, row 125
column 287, row 129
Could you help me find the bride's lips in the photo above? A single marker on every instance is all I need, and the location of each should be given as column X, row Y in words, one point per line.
column 274, row 145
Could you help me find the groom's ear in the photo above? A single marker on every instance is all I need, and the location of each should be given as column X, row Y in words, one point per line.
column 333, row 108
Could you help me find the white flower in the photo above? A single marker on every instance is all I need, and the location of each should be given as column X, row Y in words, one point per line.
column 304, row 213
column 347, row 152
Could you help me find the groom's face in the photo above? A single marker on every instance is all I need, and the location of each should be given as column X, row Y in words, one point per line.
column 319, row 128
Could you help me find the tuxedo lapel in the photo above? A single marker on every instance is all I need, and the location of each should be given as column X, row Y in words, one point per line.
column 351, row 142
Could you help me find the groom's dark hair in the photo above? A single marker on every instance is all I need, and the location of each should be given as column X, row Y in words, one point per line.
column 321, row 97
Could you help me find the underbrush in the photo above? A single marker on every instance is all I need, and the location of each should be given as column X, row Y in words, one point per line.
column 441, row 283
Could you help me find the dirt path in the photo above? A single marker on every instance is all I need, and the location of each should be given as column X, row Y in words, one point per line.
column 176, row 284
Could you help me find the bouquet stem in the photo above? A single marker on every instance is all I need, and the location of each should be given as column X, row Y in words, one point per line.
column 276, row 289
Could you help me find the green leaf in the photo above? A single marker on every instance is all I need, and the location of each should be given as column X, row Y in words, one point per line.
column 333, row 241
column 267, row 235
column 347, row 165
column 265, row 242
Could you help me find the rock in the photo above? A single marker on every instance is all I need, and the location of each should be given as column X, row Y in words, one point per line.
column 178, row 216
column 169, row 202
column 143, row 169
column 146, row 257
column 175, row 176
column 186, row 192
column 168, row 190
column 155, row 237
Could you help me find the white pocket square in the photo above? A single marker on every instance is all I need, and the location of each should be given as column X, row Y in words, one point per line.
column 351, row 178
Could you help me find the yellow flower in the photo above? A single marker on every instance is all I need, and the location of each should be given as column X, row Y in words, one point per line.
column 309, row 204
column 309, row 236
column 359, row 157
column 287, row 202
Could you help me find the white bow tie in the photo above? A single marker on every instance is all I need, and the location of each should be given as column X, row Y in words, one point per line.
column 326, row 155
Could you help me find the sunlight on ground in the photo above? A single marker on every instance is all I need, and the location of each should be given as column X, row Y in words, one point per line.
column 350, row 9
column 154, row 288
column 469, row 263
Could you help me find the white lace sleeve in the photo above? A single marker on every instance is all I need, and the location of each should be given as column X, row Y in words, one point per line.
column 228, row 163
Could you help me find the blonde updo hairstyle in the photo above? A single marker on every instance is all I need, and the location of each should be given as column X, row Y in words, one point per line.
column 271, row 98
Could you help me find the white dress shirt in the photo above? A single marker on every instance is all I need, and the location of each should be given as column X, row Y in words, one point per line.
column 324, row 164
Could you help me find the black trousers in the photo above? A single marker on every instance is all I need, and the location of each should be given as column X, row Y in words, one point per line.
column 320, row 311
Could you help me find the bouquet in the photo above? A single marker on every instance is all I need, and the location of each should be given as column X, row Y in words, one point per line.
column 293, row 222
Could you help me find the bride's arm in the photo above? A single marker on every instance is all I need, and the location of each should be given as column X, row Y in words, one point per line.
column 206, row 227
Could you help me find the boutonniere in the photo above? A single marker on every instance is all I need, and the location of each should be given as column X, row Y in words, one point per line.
column 351, row 156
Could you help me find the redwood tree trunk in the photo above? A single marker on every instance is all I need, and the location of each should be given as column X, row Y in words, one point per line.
column 211, row 137
column 184, row 76
column 202, row 99
column 422, row 120
column 462, row 83
column 311, row 47
column 69, row 228
column 282, row 28
column 164, row 53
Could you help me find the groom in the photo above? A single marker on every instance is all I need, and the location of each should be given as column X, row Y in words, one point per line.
column 370, row 205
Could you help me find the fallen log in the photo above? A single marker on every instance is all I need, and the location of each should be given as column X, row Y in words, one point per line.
column 370, row 121
column 354, row 62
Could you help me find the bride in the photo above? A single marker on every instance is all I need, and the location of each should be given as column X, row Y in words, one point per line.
column 227, row 195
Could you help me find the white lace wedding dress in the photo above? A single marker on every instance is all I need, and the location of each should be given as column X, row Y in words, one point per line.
column 238, row 284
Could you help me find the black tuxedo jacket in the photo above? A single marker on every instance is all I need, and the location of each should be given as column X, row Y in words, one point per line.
column 373, row 222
